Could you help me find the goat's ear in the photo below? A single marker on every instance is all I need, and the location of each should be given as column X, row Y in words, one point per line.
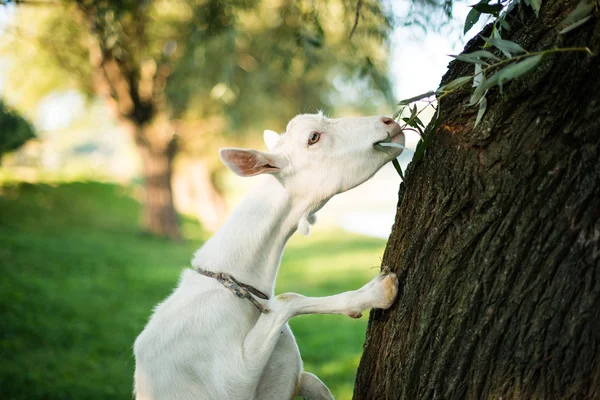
column 271, row 139
column 245, row 162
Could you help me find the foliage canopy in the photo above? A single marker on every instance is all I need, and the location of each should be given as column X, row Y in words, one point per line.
column 14, row 129
column 244, row 61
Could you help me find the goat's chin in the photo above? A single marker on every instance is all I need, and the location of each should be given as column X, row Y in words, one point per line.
column 394, row 152
column 389, row 153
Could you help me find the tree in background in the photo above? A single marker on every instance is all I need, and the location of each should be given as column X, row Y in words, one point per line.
column 14, row 130
column 497, row 235
column 173, row 71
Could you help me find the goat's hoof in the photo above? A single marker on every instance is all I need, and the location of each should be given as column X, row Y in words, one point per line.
column 355, row 314
column 388, row 291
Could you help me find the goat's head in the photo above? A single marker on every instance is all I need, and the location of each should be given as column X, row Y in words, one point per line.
column 318, row 157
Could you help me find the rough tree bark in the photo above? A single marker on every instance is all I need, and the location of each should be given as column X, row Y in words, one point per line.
column 497, row 239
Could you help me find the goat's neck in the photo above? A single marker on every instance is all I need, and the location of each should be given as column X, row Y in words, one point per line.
column 250, row 243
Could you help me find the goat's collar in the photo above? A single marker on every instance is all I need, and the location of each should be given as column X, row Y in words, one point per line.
column 240, row 289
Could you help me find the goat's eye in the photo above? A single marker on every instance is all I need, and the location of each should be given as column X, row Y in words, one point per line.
column 314, row 138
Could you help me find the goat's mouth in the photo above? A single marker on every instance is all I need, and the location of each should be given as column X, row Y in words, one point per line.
column 391, row 144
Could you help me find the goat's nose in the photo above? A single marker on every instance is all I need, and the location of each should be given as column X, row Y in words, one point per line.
column 389, row 121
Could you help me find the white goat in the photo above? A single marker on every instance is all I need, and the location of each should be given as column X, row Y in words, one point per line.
column 204, row 342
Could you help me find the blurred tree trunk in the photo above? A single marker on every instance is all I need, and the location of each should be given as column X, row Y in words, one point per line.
column 134, row 91
column 497, row 239
column 159, row 215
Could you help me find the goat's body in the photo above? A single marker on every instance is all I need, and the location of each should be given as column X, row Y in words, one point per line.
column 203, row 342
column 178, row 357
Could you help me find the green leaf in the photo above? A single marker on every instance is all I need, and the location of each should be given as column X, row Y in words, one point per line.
column 478, row 93
column 414, row 122
column 475, row 57
column 419, row 122
column 416, row 98
column 505, row 25
column 505, row 46
column 456, row 83
column 481, row 111
column 468, row 59
column 472, row 18
column 575, row 25
column 478, row 76
column 495, row 33
column 427, row 136
column 486, row 8
column 582, row 10
column 413, row 112
column 511, row 72
column 392, row 144
column 536, row 4
column 484, row 54
column 396, row 165
column 578, row 16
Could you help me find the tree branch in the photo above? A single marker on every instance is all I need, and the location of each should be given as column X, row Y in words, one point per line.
column 108, row 79
column 357, row 15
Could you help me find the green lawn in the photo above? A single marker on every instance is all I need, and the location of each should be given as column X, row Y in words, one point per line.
column 79, row 282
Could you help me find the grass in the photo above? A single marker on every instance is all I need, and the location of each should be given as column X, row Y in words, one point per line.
column 79, row 282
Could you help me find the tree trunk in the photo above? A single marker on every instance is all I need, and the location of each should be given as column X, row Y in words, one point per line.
column 135, row 93
column 159, row 215
column 497, row 239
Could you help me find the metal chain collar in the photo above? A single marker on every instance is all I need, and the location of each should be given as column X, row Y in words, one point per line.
column 240, row 289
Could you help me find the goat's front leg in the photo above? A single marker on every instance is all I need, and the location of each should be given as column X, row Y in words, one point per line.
column 260, row 341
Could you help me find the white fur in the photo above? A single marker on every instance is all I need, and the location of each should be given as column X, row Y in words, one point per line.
column 203, row 342
column 271, row 139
